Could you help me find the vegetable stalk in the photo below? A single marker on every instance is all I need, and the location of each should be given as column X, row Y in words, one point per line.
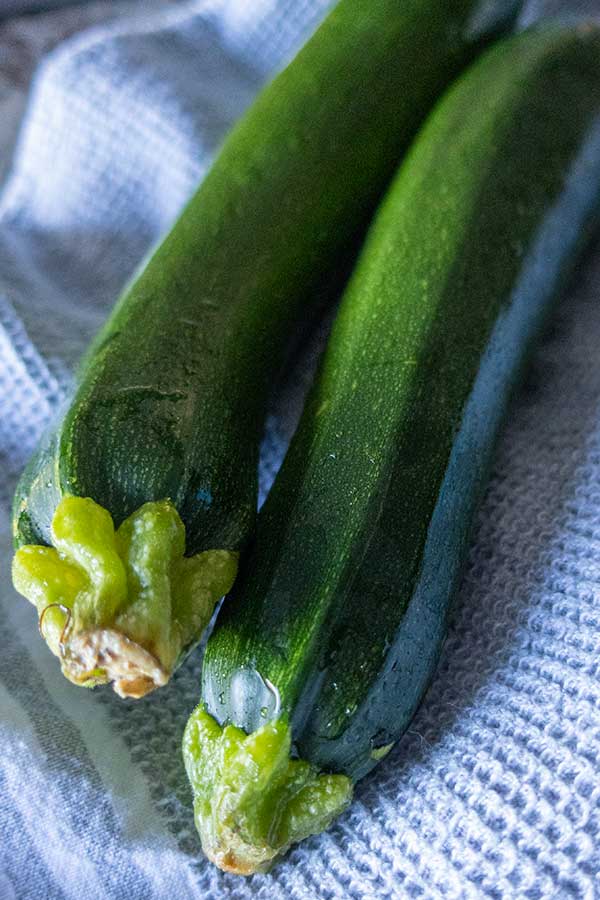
column 121, row 606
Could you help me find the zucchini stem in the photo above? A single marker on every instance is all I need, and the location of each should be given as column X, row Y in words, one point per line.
column 251, row 800
column 121, row 606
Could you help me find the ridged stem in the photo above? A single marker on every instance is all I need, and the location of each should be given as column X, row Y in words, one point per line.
column 252, row 801
column 123, row 605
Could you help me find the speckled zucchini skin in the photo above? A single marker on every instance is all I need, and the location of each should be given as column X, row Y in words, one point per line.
column 338, row 616
column 171, row 397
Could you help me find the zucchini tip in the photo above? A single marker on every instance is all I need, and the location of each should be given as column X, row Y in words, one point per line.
column 121, row 606
column 252, row 800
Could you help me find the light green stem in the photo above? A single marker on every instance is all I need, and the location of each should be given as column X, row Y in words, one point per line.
column 121, row 606
column 251, row 800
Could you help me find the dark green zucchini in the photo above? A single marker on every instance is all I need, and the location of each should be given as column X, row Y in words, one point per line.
column 331, row 635
column 171, row 397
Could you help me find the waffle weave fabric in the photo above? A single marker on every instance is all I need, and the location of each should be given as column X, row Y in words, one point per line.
column 495, row 790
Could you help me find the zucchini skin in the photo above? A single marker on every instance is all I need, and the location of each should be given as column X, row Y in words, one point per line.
column 170, row 398
column 339, row 613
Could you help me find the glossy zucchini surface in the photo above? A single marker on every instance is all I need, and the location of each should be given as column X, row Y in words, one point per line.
column 170, row 399
column 336, row 622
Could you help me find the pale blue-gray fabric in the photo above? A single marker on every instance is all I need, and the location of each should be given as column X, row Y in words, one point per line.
column 495, row 791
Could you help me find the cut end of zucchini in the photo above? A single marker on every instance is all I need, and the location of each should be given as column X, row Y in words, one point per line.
column 106, row 656
column 251, row 800
column 121, row 606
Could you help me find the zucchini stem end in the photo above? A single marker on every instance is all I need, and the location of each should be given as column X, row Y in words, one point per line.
column 121, row 606
column 252, row 801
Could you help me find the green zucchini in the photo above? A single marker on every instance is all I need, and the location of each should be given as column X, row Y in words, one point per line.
column 171, row 397
column 323, row 651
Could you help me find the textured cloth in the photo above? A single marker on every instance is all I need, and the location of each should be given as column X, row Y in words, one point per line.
column 495, row 790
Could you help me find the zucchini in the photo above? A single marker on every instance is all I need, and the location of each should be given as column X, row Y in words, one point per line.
column 323, row 651
column 171, row 396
